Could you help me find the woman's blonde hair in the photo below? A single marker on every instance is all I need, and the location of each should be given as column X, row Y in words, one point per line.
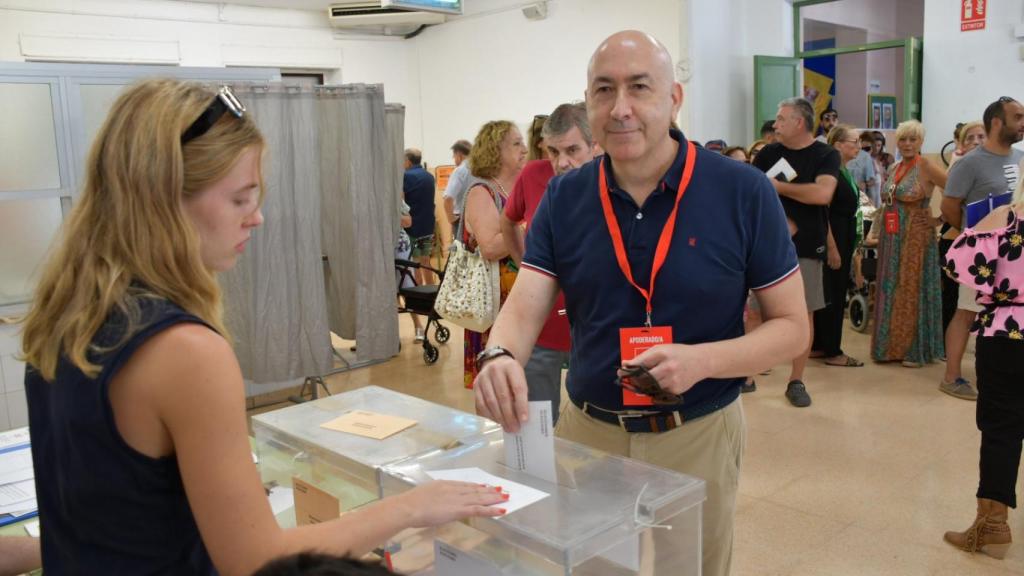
column 910, row 128
column 485, row 158
column 128, row 235
column 750, row 151
column 840, row 132
column 962, row 136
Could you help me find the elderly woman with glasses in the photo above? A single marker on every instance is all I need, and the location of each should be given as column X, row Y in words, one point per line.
column 842, row 239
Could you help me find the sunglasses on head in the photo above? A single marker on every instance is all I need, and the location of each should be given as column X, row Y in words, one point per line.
column 639, row 380
column 224, row 101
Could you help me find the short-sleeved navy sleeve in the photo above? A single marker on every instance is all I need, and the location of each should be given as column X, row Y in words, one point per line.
column 540, row 247
column 771, row 254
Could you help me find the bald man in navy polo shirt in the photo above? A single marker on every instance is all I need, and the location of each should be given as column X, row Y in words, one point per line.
column 707, row 229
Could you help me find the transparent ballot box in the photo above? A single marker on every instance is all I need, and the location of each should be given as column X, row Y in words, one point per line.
column 606, row 515
column 292, row 444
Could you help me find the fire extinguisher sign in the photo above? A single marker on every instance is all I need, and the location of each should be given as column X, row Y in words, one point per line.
column 972, row 15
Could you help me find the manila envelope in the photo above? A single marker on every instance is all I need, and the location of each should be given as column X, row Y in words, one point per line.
column 369, row 424
column 313, row 505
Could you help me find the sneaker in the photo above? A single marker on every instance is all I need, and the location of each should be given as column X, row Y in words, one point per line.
column 419, row 335
column 748, row 386
column 959, row 388
column 797, row 394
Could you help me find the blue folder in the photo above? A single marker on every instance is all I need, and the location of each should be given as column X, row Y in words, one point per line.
column 976, row 211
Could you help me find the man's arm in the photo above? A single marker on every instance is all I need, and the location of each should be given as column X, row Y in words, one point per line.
column 449, row 209
column 782, row 337
column 512, row 232
column 817, row 194
column 456, row 182
column 950, row 209
column 500, row 387
column 954, row 193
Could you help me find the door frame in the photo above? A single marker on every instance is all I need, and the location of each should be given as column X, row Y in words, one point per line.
column 912, row 49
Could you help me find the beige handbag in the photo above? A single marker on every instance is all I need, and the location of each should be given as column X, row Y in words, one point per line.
column 470, row 293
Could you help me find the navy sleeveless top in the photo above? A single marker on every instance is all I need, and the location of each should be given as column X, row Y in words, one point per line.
column 105, row 508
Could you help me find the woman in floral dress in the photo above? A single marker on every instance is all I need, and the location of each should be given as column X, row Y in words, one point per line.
column 908, row 309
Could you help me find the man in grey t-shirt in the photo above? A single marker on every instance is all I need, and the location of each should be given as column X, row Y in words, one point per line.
column 992, row 168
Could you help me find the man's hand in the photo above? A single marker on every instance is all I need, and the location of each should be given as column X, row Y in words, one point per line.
column 834, row 259
column 501, row 393
column 676, row 367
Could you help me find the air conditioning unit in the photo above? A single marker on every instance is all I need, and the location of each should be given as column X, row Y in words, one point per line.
column 356, row 13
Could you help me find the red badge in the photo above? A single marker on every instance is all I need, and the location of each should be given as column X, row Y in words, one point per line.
column 632, row 343
column 892, row 222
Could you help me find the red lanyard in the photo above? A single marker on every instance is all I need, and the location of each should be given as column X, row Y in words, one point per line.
column 664, row 242
column 907, row 167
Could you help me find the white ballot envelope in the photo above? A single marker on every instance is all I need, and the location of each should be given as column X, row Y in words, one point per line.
column 782, row 171
column 532, row 449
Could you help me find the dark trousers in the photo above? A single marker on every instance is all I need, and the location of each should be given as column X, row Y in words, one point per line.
column 828, row 322
column 950, row 289
column 1000, row 367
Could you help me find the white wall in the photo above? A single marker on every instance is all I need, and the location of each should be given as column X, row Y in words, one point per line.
column 965, row 71
column 491, row 63
column 499, row 65
column 724, row 38
column 882, row 19
column 194, row 34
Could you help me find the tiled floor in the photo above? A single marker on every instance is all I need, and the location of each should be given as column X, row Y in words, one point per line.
column 864, row 481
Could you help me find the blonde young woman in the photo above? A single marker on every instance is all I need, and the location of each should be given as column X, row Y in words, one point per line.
column 908, row 310
column 990, row 259
column 136, row 402
column 498, row 156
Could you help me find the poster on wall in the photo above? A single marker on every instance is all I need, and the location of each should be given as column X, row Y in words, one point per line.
column 442, row 174
column 972, row 15
column 819, row 78
column 882, row 112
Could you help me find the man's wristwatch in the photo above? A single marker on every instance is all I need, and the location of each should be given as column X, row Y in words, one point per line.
column 490, row 354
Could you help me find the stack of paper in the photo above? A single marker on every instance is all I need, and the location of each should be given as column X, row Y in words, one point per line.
column 17, row 478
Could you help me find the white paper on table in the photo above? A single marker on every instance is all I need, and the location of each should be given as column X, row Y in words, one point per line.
column 20, row 508
column 281, row 499
column 520, row 495
column 532, row 449
column 17, row 492
column 450, row 561
column 33, row 529
column 16, row 466
column 14, row 437
column 626, row 554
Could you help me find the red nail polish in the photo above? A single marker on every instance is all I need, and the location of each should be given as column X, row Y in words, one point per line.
column 501, row 511
column 497, row 488
column 505, row 497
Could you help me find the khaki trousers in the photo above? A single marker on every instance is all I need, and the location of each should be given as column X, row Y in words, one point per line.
column 709, row 448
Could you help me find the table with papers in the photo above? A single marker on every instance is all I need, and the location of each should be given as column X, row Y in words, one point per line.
column 17, row 478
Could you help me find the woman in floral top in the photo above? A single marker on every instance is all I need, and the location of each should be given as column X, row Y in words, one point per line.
column 990, row 259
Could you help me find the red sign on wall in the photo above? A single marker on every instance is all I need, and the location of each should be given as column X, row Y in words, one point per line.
column 972, row 15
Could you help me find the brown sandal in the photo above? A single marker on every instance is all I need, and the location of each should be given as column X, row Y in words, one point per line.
column 849, row 363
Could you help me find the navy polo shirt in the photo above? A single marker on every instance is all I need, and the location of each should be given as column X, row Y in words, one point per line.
column 730, row 236
column 418, row 186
